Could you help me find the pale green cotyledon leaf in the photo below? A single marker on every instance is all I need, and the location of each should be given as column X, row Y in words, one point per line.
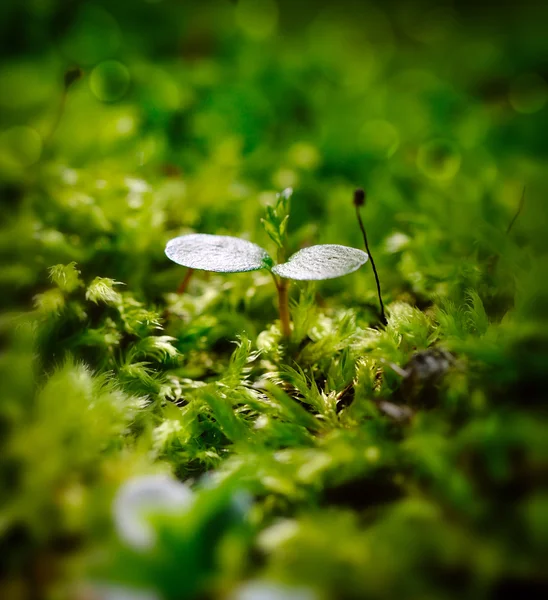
column 219, row 253
column 322, row 262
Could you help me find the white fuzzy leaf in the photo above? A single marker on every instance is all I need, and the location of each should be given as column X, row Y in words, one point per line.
column 219, row 253
column 143, row 496
column 322, row 262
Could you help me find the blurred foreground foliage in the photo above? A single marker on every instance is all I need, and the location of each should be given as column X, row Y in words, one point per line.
column 404, row 461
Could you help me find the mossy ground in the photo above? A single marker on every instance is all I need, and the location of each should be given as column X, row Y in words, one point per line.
column 353, row 460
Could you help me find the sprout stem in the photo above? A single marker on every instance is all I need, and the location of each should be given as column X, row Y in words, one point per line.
column 282, row 285
column 359, row 200
column 283, row 305
column 184, row 284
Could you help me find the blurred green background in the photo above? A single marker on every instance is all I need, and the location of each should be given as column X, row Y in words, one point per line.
column 439, row 110
column 126, row 123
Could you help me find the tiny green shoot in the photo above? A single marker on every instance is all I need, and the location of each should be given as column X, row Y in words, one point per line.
column 227, row 254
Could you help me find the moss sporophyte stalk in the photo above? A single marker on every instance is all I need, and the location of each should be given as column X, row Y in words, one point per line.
column 227, row 254
column 359, row 201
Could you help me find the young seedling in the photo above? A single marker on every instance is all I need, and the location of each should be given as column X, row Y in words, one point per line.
column 226, row 254
column 359, row 201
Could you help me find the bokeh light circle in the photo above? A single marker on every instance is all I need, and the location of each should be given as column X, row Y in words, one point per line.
column 257, row 18
column 379, row 138
column 109, row 81
column 528, row 93
column 304, row 155
column 20, row 147
column 24, row 86
column 93, row 35
column 439, row 159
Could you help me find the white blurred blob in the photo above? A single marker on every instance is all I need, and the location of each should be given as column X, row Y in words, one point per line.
column 116, row 592
column 282, row 531
column 396, row 242
column 69, row 176
column 142, row 497
column 265, row 590
column 138, row 186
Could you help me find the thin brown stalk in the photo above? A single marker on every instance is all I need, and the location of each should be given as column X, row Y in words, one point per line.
column 359, row 200
column 184, row 284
